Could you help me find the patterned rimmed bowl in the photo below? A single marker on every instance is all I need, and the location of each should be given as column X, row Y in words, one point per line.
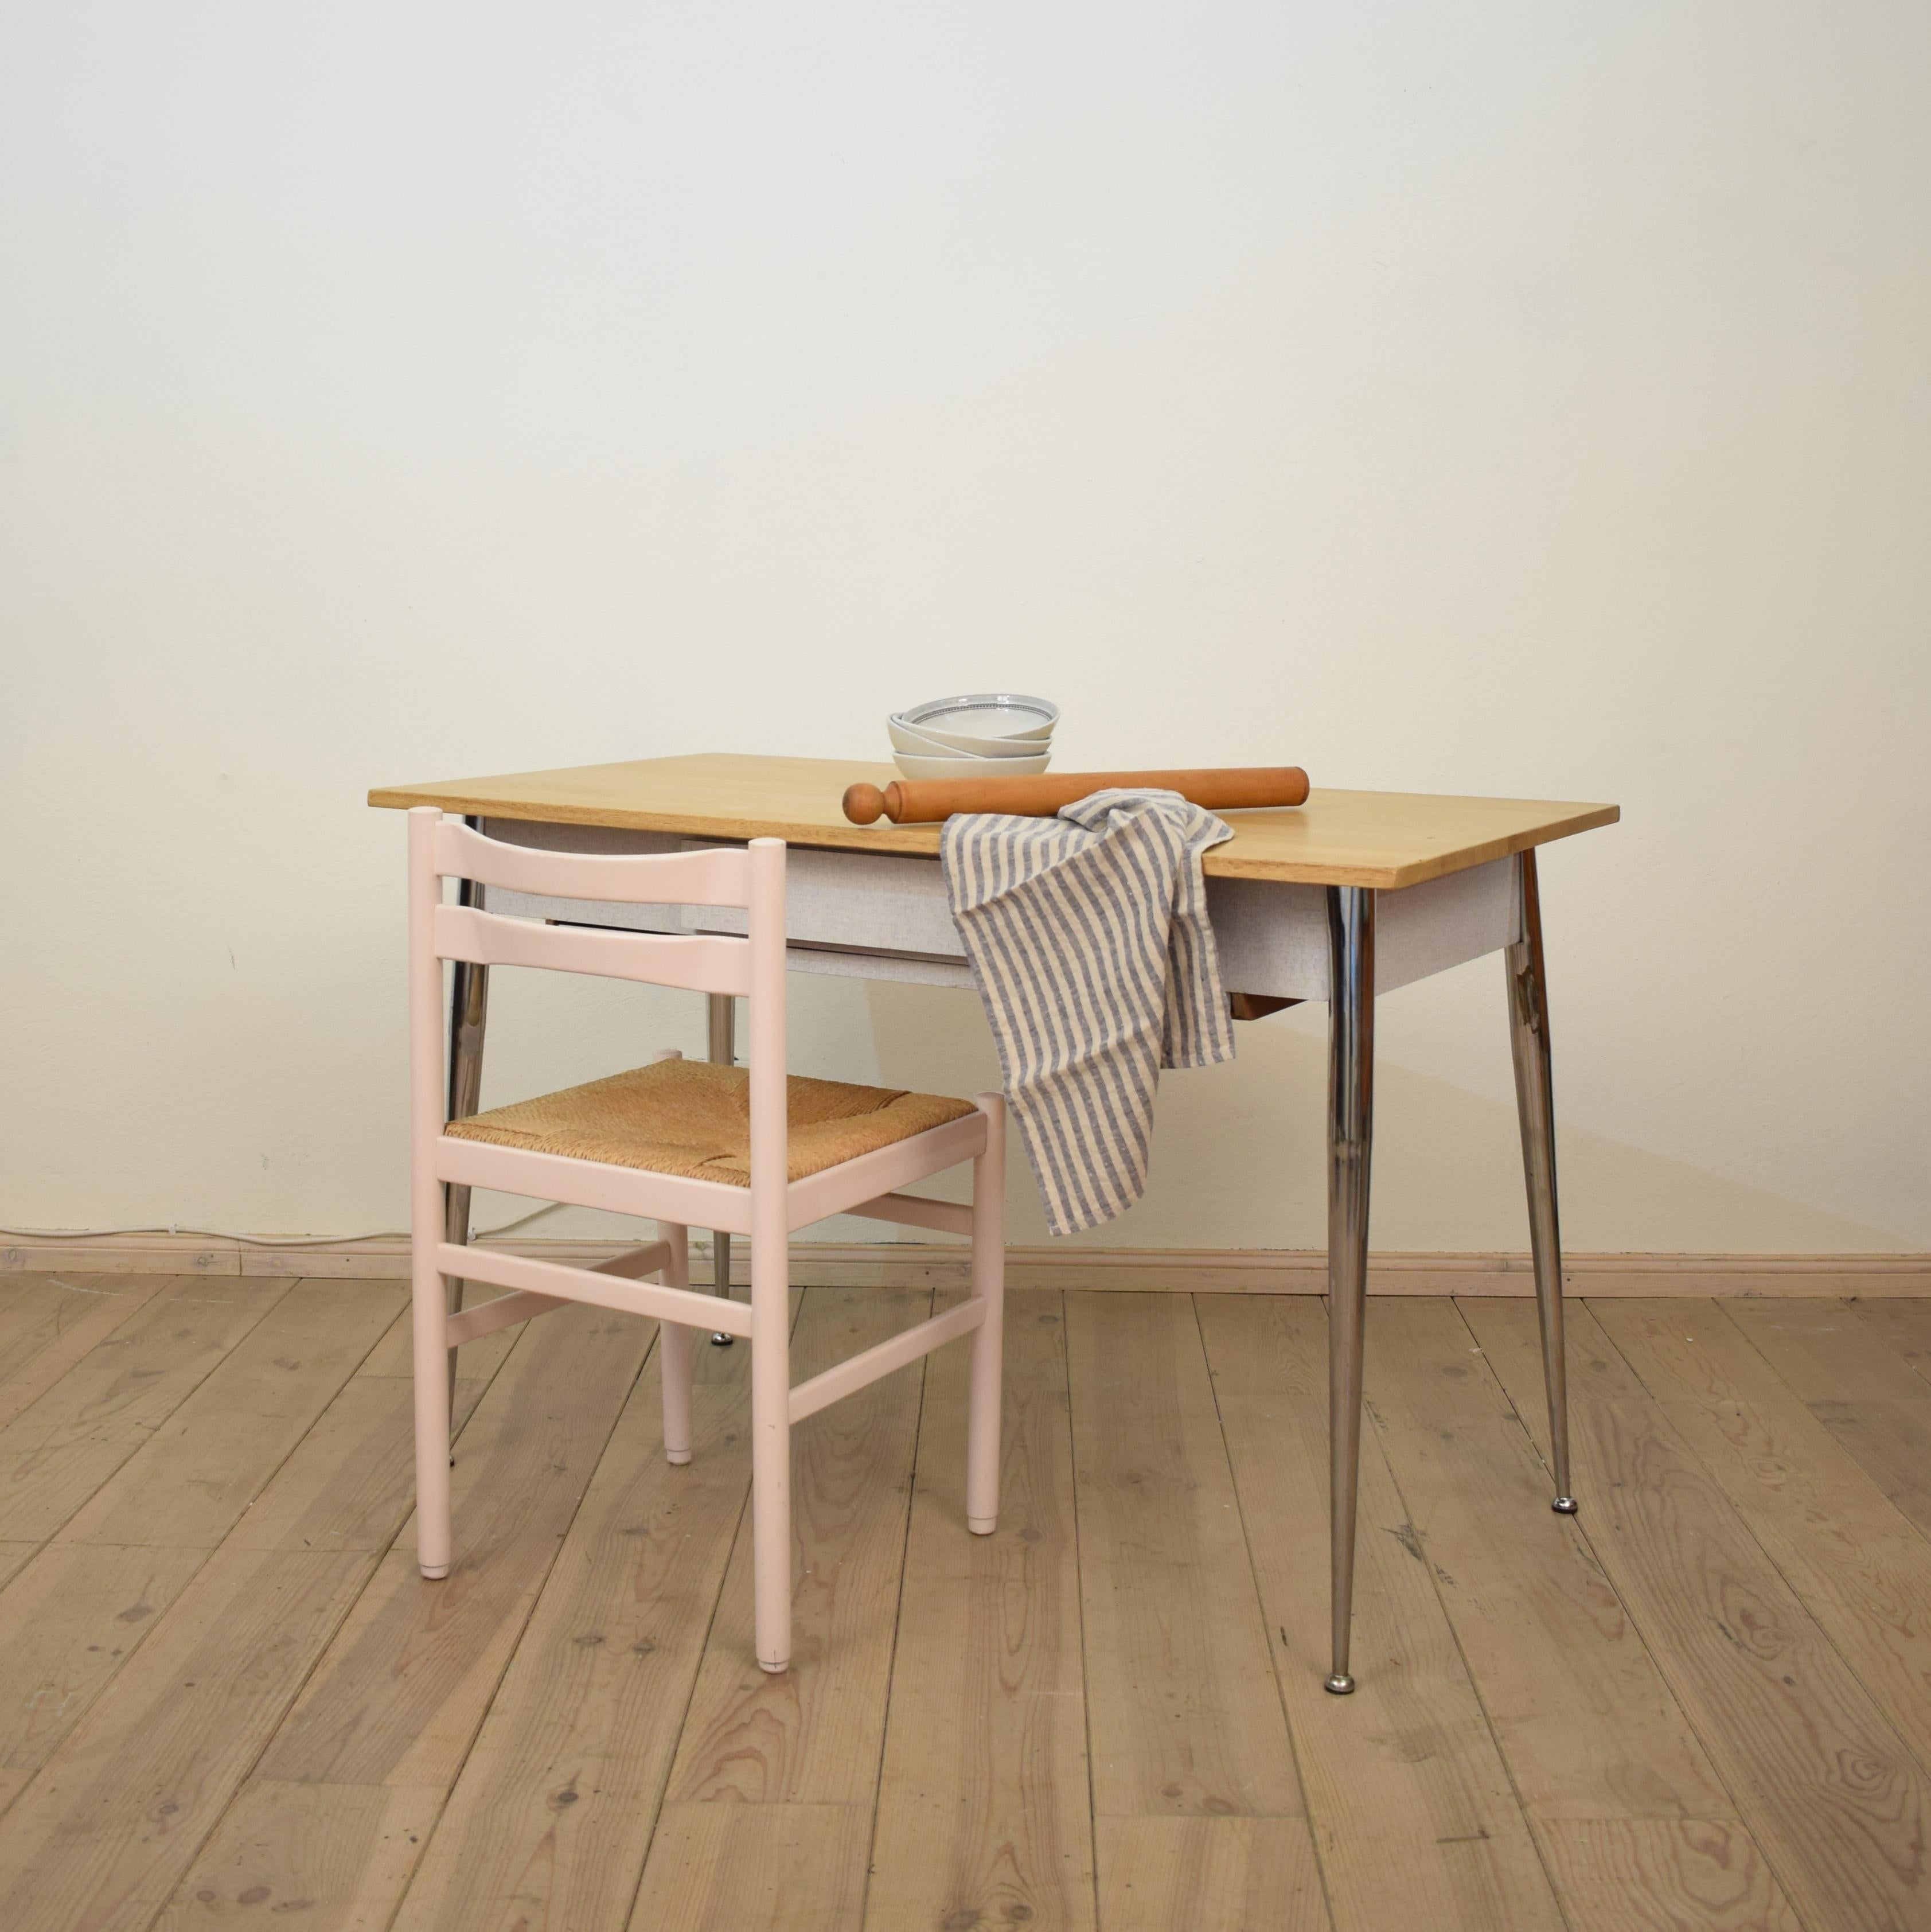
column 982, row 719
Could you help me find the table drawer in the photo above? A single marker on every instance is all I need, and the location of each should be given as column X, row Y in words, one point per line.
column 884, row 915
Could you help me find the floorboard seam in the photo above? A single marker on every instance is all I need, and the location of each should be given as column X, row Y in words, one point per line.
column 269, row 1734
column 897, row 1624
column 377, row 1557
column 563, row 1536
column 1254, row 1576
column 1455, row 1635
column 1079, row 1591
column 1762, row 1841
column 207, row 1554
column 174, row 1408
column 1921, row 1759
column 703, row 1652
column 1876, row 1488
column 1854, row 1305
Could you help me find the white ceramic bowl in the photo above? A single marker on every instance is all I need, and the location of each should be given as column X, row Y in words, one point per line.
column 921, row 743
column 990, row 715
column 914, row 767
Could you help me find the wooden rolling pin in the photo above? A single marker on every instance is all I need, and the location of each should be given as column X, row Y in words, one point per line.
column 927, row 801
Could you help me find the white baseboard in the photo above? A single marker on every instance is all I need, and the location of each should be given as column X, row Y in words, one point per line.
column 922, row 1263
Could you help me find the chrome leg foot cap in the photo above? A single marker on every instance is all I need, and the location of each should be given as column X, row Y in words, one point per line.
column 1564, row 1506
column 722, row 1341
column 1339, row 1685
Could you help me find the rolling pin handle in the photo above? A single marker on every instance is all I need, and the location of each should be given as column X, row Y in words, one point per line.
column 864, row 804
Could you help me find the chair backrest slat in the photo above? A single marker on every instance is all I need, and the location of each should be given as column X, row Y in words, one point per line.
column 719, row 877
column 701, row 963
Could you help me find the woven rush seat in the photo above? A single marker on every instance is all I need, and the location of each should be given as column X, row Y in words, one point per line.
column 690, row 1117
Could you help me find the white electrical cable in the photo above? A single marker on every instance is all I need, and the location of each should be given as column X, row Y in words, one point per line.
column 259, row 1240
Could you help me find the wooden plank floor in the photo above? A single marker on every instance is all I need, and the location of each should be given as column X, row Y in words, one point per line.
column 226, row 1700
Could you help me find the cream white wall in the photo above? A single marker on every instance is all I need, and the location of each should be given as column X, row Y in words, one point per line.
column 1497, row 398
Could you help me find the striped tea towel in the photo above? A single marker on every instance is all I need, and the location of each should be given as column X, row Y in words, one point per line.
column 1087, row 935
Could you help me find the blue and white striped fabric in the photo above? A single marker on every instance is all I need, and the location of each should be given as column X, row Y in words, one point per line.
column 1088, row 936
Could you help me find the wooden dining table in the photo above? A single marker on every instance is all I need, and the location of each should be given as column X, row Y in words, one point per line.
column 1351, row 894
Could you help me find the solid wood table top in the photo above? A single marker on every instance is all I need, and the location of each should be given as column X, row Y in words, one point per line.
column 1379, row 838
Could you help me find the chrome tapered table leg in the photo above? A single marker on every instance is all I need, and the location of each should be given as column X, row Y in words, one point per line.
column 1350, row 1103
column 724, row 1014
column 469, row 1009
column 1535, row 1109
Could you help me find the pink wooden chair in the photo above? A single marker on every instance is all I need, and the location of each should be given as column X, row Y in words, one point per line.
column 669, row 1141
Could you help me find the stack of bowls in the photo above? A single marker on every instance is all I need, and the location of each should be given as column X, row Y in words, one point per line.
column 988, row 734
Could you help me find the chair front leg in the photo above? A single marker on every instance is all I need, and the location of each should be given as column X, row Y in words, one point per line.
column 988, row 1285
column 673, row 1351
column 771, row 1444
column 429, row 1325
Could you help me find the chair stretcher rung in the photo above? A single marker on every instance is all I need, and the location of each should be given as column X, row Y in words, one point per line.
column 525, row 1304
column 851, row 1376
column 487, row 1317
column 601, row 1290
column 913, row 1210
